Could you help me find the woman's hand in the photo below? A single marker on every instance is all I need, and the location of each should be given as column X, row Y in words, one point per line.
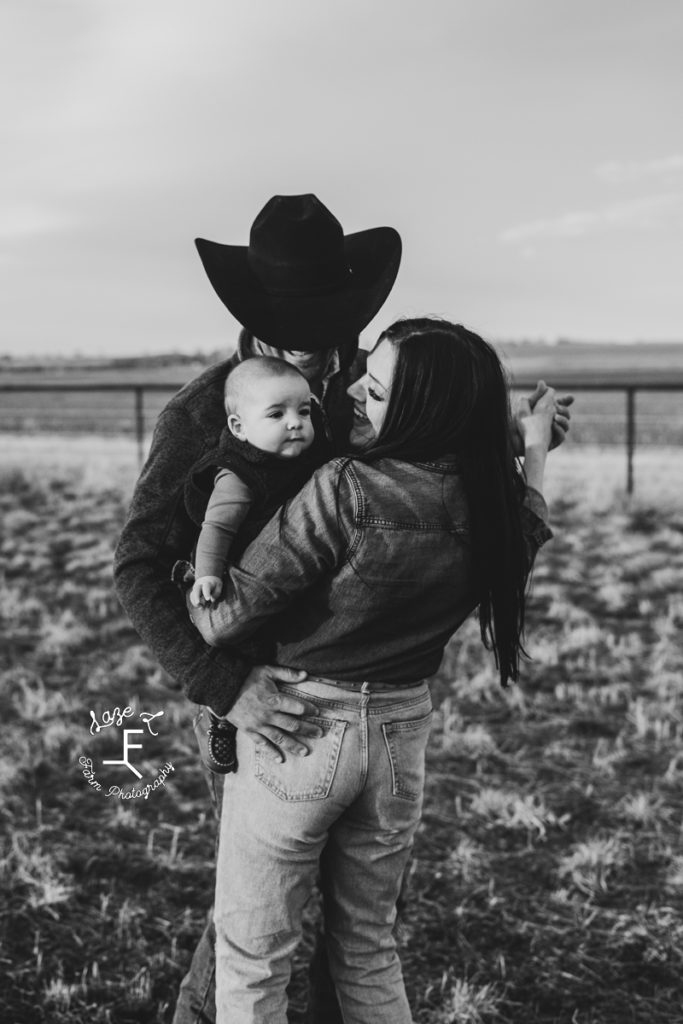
column 272, row 720
column 536, row 421
column 521, row 407
column 536, row 429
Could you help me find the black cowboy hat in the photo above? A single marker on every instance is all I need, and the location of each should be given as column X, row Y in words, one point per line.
column 301, row 283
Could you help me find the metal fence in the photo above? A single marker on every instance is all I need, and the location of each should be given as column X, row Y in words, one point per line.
column 132, row 408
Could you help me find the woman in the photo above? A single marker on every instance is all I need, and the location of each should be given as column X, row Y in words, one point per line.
column 363, row 578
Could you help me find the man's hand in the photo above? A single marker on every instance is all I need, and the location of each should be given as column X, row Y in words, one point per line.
column 522, row 405
column 273, row 720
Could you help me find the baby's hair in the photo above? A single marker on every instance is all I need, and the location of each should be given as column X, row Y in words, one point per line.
column 251, row 372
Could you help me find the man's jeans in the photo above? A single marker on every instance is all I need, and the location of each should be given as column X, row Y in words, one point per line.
column 349, row 808
column 196, row 1002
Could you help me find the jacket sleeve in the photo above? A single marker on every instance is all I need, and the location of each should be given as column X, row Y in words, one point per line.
column 535, row 523
column 157, row 533
column 307, row 539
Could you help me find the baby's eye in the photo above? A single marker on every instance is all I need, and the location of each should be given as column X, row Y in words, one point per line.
column 275, row 415
column 373, row 394
column 305, row 411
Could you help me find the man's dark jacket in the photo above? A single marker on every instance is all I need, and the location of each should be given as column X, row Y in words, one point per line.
column 159, row 530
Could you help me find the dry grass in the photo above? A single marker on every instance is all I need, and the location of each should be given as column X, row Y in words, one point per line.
column 547, row 886
column 591, row 476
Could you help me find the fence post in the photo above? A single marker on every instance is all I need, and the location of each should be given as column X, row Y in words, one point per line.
column 140, row 424
column 630, row 436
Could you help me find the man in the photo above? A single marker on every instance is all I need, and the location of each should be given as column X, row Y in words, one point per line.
column 303, row 291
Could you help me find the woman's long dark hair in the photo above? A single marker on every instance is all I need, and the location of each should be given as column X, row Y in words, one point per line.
column 449, row 396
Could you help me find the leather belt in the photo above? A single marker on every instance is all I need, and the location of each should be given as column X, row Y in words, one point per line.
column 356, row 687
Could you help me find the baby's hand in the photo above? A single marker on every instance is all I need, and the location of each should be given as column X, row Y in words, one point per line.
column 206, row 590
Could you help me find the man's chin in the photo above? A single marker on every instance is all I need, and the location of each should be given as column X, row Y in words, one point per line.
column 310, row 370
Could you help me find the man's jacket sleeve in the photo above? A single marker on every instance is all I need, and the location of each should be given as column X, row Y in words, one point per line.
column 157, row 533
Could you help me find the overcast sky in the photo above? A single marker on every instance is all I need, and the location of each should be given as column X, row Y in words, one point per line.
column 530, row 152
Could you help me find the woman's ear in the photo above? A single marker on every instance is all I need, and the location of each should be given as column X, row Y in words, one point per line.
column 236, row 427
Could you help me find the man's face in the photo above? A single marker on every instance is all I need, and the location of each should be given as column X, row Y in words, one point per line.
column 275, row 417
column 311, row 364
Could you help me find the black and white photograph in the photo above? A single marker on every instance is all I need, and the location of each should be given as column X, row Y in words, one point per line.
column 341, row 533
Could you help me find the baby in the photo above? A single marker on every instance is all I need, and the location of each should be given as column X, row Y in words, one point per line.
column 266, row 453
column 268, row 406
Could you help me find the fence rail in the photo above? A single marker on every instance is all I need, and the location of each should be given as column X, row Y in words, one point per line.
column 93, row 414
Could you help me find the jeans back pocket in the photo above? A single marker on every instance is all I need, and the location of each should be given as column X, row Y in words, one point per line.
column 304, row 778
column 406, row 743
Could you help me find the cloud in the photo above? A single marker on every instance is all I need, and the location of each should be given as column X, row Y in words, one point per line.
column 617, row 172
column 643, row 214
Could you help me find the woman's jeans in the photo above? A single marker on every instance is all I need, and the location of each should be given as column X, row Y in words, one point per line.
column 349, row 808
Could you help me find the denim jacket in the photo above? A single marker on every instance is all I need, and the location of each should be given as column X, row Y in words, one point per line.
column 159, row 530
column 365, row 574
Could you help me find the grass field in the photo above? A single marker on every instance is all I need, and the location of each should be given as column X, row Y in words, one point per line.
column 547, row 885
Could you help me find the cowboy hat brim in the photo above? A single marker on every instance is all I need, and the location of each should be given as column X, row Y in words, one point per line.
column 307, row 322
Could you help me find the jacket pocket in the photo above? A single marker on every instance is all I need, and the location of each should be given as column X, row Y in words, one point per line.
column 304, row 778
column 406, row 743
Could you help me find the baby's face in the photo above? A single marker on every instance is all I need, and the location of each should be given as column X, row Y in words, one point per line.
column 275, row 416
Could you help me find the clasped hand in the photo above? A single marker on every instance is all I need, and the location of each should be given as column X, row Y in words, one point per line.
column 537, row 422
column 545, row 400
